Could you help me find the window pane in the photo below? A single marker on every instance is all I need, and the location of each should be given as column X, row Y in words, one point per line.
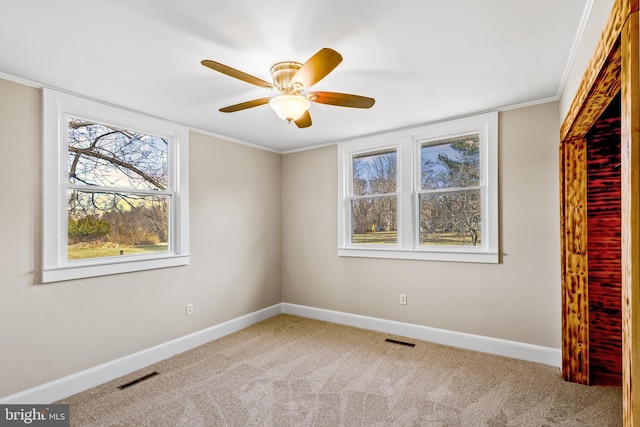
column 374, row 221
column 450, row 163
column 114, row 224
column 450, row 218
column 106, row 156
column 374, row 173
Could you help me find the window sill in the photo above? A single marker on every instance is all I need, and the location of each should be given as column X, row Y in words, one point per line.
column 453, row 254
column 80, row 270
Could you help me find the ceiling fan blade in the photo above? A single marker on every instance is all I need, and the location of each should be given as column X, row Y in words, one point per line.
column 245, row 105
column 317, row 67
column 341, row 99
column 225, row 69
column 304, row 121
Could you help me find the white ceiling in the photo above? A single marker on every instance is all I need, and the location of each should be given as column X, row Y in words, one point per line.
column 422, row 60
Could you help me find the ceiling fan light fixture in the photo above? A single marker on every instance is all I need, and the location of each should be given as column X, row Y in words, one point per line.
column 289, row 107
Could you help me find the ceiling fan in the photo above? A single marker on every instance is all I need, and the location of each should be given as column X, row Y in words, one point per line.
column 291, row 79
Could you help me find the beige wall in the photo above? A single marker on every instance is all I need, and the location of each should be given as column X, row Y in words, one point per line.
column 50, row 331
column 518, row 299
column 595, row 24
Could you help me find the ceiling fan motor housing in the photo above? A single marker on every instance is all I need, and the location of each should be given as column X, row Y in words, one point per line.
column 283, row 73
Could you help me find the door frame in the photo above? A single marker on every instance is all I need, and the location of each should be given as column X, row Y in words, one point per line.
column 614, row 67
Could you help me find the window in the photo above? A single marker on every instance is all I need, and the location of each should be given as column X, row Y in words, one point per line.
column 115, row 190
column 426, row 193
column 374, row 199
column 449, row 197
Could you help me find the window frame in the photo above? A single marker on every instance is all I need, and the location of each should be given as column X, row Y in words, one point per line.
column 56, row 108
column 408, row 142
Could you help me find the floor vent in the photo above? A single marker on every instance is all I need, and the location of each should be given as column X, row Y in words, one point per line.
column 138, row 380
column 408, row 344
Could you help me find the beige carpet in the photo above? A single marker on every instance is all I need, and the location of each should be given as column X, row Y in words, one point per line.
column 291, row 371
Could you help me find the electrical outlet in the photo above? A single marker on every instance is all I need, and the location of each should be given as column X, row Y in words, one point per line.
column 189, row 309
column 403, row 299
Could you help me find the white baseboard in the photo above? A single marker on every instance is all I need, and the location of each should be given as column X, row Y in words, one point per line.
column 517, row 350
column 83, row 380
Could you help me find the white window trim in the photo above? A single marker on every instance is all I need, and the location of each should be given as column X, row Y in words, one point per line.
column 55, row 266
column 408, row 142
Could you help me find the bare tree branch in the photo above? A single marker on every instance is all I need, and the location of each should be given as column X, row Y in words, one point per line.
column 114, row 160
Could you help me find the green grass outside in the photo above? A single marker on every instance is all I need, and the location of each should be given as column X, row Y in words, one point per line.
column 391, row 238
column 377, row 238
column 84, row 253
column 445, row 239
